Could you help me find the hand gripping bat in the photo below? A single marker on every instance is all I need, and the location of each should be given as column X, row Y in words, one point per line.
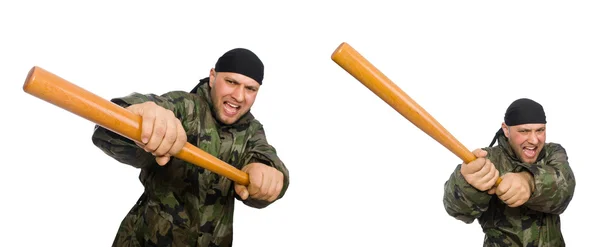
column 62, row 93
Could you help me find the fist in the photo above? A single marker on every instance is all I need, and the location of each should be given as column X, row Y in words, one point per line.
column 480, row 173
column 265, row 183
column 162, row 133
column 515, row 188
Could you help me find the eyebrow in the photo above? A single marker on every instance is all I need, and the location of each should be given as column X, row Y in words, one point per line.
column 237, row 82
column 528, row 129
column 231, row 79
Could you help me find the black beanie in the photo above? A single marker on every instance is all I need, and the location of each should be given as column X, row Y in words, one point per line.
column 522, row 111
column 241, row 61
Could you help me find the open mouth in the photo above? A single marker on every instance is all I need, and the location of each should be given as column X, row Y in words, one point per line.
column 230, row 109
column 529, row 152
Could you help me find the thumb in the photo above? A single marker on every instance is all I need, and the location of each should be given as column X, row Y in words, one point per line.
column 162, row 160
column 492, row 191
column 480, row 153
column 136, row 109
column 241, row 190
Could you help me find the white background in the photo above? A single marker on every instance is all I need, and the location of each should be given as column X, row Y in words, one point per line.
column 361, row 174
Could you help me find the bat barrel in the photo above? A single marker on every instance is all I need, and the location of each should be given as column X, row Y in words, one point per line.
column 366, row 73
column 59, row 92
column 68, row 96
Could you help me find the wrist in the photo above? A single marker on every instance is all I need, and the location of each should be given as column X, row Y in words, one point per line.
column 529, row 178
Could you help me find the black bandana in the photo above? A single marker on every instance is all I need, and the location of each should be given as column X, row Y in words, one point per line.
column 522, row 111
column 241, row 61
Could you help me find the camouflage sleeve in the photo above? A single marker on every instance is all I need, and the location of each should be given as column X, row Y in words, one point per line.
column 463, row 201
column 125, row 150
column 554, row 182
column 120, row 148
column 259, row 150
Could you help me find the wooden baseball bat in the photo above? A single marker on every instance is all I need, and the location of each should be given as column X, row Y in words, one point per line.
column 62, row 93
column 362, row 70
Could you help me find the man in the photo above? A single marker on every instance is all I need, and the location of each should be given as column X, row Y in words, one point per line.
column 537, row 183
column 186, row 205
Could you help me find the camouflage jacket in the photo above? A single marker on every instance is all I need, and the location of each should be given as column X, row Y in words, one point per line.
column 183, row 204
column 535, row 223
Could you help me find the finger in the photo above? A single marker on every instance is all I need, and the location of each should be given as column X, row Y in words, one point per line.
column 480, row 153
column 502, row 188
column 276, row 187
column 509, row 193
column 485, row 168
column 162, row 160
column 495, row 178
column 255, row 183
column 490, row 171
column 517, row 203
column 265, row 186
column 158, row 132
column 170, row 136
column 505, row 196
column 180, row 140
column 511, row 198
column 148, row 117
column 472, row 167
column 491, row 191
column 490, row 178
column 241, row 190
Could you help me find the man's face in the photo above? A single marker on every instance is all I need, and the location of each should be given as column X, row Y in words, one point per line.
column 526, row 140
column 232, row 95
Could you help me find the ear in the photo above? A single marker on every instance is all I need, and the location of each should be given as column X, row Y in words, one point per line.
column 212, row 76
column 505, row 129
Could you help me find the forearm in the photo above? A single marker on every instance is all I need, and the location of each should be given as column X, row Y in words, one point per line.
column 121, row 148
column 260, row 151
column 553, row 189
column 125, row 150
column 463, row 201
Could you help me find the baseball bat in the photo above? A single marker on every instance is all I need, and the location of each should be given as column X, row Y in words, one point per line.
column 68, row 96
column 366, row 73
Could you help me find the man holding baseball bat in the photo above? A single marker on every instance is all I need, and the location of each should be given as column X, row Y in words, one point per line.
column 537, row 183
column 183, row 204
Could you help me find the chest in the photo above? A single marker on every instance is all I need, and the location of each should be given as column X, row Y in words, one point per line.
column 225, row 142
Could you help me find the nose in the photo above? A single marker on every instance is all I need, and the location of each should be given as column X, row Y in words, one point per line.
column 533, row 139
column 238, row 93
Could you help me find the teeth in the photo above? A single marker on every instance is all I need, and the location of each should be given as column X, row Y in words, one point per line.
column 530, row 148
column 234, row 106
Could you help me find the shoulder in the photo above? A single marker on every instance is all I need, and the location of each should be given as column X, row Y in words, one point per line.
column 555, row 147
column 499, row 157
column 181, row 95
column 555, row 151
column 255, row 130
column 186, row 99
column 495, row 151
column 255, row 126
